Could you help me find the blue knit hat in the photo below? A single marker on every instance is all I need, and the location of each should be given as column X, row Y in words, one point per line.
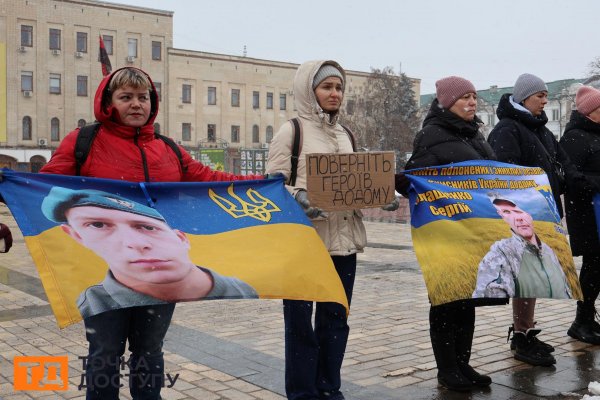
column 526, row 85
column 60, row 200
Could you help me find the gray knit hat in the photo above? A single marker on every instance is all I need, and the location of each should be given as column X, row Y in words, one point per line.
column 325, row 72
column 526, row 85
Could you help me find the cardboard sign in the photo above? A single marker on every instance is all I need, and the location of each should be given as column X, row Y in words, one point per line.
column 347, row 181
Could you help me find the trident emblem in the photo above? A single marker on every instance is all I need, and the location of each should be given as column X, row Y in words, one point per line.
column 260, row 208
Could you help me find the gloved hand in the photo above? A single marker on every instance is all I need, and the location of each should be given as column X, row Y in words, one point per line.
column 393, row 206
column 5, row 238
column 311, row 212
column 401, row 182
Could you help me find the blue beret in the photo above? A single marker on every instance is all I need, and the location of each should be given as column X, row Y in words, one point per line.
column 61, row 199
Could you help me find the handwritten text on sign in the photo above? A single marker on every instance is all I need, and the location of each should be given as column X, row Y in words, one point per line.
column 344, row 181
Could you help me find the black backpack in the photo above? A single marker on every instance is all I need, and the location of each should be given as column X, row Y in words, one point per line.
column 297, row 146
column 86, row 137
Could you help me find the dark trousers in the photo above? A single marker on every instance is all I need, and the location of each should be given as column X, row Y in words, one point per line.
column 589, row 278
column 145, row 328
column 451, row 327
column 313, row 357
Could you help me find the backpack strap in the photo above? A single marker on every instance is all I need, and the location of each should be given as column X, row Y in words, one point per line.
column 296, row 145
column 350, row 136
column 171, row 143
column 83, row 144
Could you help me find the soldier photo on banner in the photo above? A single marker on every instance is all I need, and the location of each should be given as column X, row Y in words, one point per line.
column 489, row 229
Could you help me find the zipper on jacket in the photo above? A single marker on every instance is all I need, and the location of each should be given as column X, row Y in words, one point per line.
column 143, row 154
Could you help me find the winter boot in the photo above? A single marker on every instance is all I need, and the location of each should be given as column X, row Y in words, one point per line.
column 449, row 375
column 585, row 328
column 545, row 346
column 463, row 343
column 527, row 350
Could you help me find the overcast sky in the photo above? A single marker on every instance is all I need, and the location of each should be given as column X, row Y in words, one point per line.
column 489, row 42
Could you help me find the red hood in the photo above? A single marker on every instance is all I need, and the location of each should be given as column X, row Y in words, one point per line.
column 109, row 116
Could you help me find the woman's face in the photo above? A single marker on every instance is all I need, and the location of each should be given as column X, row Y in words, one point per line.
column 465, row 107
column 595, row 115
column 133, row 105
column 536, row 102
column 330, row 94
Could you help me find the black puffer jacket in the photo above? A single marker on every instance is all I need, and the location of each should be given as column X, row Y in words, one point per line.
column 581, row 142
column 447, row 138
column 522, row 139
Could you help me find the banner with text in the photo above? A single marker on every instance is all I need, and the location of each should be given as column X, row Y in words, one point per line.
column 347, row 181
column 101, row 244
column 489, row 229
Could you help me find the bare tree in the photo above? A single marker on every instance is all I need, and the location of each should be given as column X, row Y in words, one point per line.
column 384, row 114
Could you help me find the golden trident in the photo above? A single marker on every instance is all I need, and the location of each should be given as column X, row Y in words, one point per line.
column 260, row 209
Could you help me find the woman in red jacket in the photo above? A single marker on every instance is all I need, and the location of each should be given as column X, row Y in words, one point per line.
column 126, row 148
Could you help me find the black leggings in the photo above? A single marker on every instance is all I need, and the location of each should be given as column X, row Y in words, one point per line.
column 589, row 278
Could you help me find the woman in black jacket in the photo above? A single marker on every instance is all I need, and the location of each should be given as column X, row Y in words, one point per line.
column 581, row 142
column 451, row 134
column 521, row 138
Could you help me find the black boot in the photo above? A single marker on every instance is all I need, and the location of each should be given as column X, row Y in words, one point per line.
column 527, row 350
column 463, row 344
column 442, row 332
column 585, row 328
column 545, row 346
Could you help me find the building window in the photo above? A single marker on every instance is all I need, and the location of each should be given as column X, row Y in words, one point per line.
column 490, row 119
column 211, row 132
column 282, row 102
column 27, row 35
column 235, row 97
column 156, row 50
column 186, row 131
column 255, row 134
column 186, row 93
column 269, row 101
column 82, row 44
column 235, row 133
column 108, row 43
column 212, row 95
column 27, row 81
column 269, row 134
column 55, row 83
column 81, row 123
column 82, row 85
column 158, row 87
column 255, row 99
column 54, row 37
column 350, row 107
column 555, row 116
column 54, row 130
column 26, row 128
column 132, row 47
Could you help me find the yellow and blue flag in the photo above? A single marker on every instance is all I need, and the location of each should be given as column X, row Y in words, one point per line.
column 485, row 229
column 251, row 234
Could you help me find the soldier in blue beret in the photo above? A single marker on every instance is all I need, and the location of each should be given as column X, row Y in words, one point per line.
column 148, row 260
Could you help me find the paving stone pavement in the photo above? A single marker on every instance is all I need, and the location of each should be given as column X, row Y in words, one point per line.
column 234, row 349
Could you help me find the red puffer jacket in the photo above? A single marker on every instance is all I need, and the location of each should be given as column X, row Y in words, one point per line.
column 127, row 153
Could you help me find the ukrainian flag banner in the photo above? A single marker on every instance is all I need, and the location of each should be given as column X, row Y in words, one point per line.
column 101, row 244
column 485, row 229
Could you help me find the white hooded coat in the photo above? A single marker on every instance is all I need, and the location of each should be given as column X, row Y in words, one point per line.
column 342, row 232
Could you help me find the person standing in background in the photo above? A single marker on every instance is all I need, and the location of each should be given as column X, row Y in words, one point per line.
column 581, row 141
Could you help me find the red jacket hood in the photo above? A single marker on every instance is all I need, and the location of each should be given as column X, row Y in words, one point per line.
column 109, row 116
